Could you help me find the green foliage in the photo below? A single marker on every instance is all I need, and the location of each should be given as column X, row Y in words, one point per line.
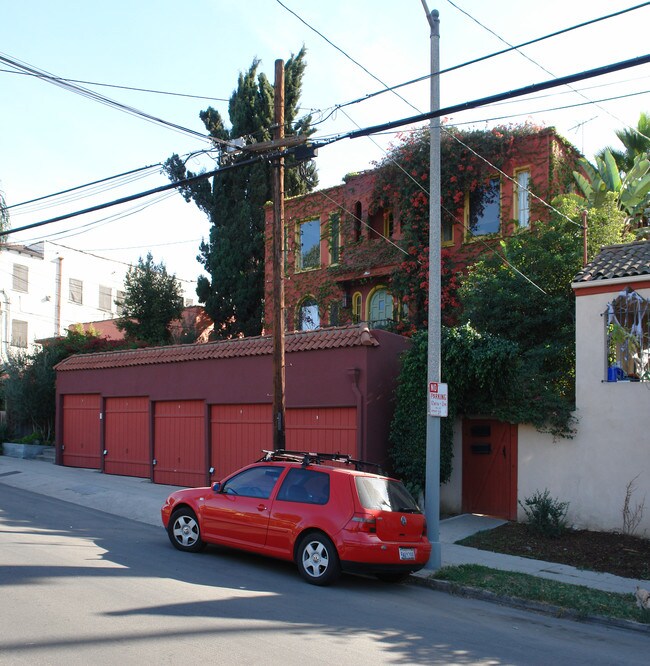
column 545, row 515
column 152, row 300
column 29, row 381
column 233, row 256
column 402, row 184
column 536, row 312
column 636, row 141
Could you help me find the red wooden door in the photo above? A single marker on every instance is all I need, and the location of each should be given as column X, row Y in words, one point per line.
column 180, row 443
column 82, row 431
column 239, row 434
column 126, row 437
column 490, row 468
column 323, row 430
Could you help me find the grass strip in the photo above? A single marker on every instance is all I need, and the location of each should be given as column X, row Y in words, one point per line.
column 583, row 600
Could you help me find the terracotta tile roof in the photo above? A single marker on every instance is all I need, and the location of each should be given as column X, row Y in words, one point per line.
column 618, row 261
column 327, row 338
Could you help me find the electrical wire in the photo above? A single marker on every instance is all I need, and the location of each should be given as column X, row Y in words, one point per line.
column 113, row 85
column 537, row 64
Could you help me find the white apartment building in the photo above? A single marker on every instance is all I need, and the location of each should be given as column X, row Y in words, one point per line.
column 45, row 288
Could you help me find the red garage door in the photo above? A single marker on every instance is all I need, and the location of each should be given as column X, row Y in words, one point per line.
column 82, row 431
column 126, row 437
column 323, row 430
column 238, row 433
column 179, row 443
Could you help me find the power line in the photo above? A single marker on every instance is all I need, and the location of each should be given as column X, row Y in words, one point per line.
column 113, row 85
column 57, row 81
column 481, row 58
column 517, row 92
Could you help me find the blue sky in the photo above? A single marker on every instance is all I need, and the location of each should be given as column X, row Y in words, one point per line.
column 51, row 139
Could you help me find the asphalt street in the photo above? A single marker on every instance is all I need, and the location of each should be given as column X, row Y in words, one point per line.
column 80, row 585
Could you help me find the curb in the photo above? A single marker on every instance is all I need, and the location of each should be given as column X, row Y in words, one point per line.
column 525, row 604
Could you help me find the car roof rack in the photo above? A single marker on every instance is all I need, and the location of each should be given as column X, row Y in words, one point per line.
column 310, row 458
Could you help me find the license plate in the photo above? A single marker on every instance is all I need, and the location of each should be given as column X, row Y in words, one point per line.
column 407, row 553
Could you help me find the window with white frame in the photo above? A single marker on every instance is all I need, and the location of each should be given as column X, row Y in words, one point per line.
column 627, row 321
column 20, row 278
column 105, row 301
column 75, row 291
column 522, row 198
column 19, row 331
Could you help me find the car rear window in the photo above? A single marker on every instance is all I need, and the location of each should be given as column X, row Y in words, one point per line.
column 305, row 485
column 384, row 494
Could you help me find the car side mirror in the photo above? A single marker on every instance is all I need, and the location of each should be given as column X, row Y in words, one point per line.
column 216, row 487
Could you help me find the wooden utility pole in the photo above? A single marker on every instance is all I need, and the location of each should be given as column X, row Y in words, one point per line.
column 279, row 408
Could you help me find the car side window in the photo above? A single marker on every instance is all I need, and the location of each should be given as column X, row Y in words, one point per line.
column 305, row 485
column 255, row 482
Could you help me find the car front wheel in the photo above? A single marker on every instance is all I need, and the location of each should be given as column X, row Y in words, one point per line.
column 184, row 531
column 317, row 559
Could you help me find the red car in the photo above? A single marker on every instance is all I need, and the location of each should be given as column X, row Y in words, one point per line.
column 321, row 511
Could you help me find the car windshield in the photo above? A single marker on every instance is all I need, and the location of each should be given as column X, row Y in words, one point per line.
column 385, row 495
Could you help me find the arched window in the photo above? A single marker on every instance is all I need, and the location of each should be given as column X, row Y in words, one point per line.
column 356, row 307
column 308, row 317
column 358, row 211
column 380, row 307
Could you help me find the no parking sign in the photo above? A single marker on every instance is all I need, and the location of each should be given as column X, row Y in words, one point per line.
column 438, row 399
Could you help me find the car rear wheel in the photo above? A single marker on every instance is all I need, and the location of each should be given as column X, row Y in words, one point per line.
column 184, row 531
column 317, row 559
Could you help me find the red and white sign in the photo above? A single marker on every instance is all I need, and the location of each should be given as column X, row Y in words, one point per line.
column 438, row 399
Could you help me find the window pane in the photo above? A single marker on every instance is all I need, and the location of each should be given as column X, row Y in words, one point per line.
column 20, row 278
column 119, row 301
column 310, row 244
column 105, row 302
column 335, row 239
column 356, row 308
column 256, row 482
column 484, row 209
column 308, row 318
column 523, row 198
column 19, row 333
column 76, row 291
column 304, row 485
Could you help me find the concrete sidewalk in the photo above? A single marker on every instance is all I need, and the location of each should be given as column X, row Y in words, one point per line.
column 139, row 499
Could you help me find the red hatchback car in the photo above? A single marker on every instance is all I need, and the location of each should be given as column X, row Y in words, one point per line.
column 321, row 511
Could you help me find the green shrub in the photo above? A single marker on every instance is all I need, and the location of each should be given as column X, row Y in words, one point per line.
column 545, row 515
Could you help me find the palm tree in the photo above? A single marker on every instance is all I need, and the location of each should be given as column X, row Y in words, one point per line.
column 636, row 142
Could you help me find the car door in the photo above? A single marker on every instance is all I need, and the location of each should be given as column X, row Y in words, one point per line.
column 238, row 514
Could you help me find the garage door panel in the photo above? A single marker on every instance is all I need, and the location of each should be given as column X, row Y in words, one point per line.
column 179, row 443
column 126, row 437
column 82, row 431
column 238, row 434
column 323, row 430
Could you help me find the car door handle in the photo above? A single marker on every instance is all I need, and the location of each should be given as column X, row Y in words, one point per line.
column 261, row 507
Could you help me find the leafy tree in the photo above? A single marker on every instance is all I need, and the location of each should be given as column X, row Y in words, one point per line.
column 513, row 358
column 636, row 141
column 234, row 200
column 152, row 300
column 632, row 188
column 29, row 380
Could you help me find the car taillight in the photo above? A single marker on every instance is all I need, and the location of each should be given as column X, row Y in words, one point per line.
column 363, row 522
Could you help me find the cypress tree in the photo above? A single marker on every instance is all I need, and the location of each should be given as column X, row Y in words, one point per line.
column 233, row 255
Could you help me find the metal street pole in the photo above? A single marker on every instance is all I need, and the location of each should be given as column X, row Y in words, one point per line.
column 278, row 266
column 432, row 480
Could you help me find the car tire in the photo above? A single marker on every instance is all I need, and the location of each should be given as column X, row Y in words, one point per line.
column 184, row 531
column 317, row 559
